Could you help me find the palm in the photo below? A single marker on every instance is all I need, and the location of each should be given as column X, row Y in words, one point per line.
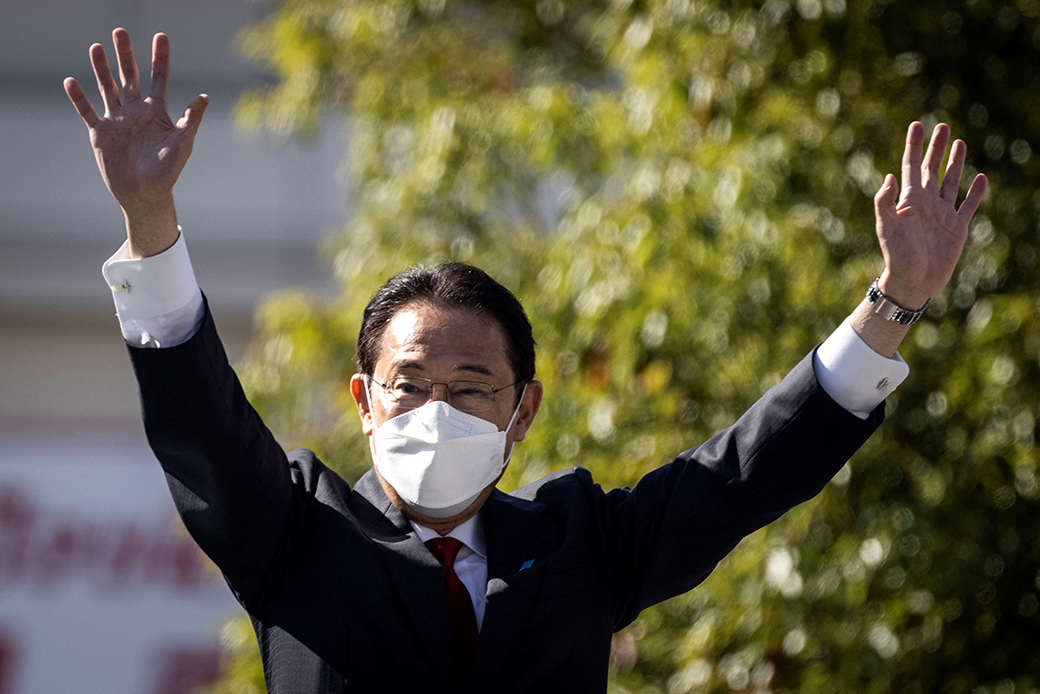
column 921, row 231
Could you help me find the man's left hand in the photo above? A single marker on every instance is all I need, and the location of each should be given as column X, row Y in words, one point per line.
column 921, row 230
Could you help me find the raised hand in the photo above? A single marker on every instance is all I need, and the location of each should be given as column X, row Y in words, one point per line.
column 139, row 149
column 921, row 230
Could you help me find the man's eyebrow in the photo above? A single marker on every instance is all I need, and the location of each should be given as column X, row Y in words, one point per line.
column 406, row 365
column 475, row 368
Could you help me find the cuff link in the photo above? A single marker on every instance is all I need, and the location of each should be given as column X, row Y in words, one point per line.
column 122, row 288
column 887, row 385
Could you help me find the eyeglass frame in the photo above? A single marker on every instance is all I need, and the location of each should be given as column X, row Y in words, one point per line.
column 447, row 389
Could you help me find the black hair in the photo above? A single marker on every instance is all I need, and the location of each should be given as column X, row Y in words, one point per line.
column 448, row 285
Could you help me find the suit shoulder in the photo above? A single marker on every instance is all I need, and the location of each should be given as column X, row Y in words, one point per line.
column 558, row 485
column 315, row 478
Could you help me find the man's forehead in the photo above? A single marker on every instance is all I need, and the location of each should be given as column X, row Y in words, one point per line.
column 456, row 339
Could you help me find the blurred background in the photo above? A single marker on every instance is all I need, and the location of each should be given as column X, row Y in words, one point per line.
column 680, row 193
column 100, row 589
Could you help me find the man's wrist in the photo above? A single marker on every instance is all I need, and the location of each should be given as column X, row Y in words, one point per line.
column 907, row 297
column 151, row 228
column 882, row 336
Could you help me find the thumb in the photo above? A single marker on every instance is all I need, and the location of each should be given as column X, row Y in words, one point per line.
column 193, row 114
column 886, row 197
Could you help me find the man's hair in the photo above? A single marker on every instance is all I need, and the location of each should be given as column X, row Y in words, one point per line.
column 452, row 286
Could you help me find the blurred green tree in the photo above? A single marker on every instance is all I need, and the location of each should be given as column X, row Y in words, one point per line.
column 680, row 193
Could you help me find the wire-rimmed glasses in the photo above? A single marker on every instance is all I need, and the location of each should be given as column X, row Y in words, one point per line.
column 409, row 392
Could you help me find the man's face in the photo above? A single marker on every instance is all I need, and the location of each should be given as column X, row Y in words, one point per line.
column 443, row 345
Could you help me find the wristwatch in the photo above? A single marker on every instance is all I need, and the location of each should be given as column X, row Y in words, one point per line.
column 890, row 310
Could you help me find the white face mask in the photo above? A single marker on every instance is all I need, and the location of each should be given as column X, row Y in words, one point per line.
column 439, row 459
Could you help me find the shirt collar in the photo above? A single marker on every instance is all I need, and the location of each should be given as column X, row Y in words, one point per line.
column 470, row 533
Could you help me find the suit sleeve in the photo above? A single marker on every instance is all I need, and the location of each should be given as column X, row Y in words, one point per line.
column 230, row 480
column 669, row 532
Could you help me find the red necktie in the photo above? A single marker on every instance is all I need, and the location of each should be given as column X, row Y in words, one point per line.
column 460, row 607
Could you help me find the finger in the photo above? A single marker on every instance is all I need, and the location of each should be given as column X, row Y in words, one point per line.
column 912, row 156
column 189, row 122
column 952, row 178
column 81, row 102
column 934, row 156
column 160, row 67
column 128, row 75
column 886, row 197
column 973, row 198
column 106, row 83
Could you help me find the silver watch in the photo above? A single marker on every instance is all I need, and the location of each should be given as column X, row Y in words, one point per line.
column 890, row 310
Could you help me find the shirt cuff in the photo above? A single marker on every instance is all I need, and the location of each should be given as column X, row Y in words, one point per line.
column 157, row 299
column 855, row 376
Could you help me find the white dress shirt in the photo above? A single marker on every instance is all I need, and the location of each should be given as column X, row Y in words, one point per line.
column 470, row 562
column 159, row 304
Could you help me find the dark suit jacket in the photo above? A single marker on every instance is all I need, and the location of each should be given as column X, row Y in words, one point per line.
column 344, row 596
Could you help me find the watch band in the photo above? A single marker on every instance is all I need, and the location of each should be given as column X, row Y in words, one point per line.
column 890, row 310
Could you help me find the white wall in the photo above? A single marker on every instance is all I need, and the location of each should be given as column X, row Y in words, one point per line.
column 101, row 589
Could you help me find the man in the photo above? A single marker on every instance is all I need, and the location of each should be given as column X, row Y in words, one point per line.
column 424, row 577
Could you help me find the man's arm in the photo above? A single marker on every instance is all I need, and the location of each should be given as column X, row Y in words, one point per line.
column 669, row 532
column 231, row 481
column 139, row 149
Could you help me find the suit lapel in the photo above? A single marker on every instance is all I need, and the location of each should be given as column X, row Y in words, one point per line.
column 519, row 540
column 417, row 575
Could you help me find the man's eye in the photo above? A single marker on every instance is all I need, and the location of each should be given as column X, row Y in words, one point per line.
column 406, row 388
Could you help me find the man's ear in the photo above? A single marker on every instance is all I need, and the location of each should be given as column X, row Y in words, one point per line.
column 528, row 409
column 360, row 394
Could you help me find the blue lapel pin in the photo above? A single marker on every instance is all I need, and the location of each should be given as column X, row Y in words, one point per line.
column 527, row 564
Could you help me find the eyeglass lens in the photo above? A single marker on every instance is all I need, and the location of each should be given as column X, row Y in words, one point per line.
column 413, row 392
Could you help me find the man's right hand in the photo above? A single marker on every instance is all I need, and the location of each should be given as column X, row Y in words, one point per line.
column 139, row 149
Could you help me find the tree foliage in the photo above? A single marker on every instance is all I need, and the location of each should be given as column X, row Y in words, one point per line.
column 679, row 191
